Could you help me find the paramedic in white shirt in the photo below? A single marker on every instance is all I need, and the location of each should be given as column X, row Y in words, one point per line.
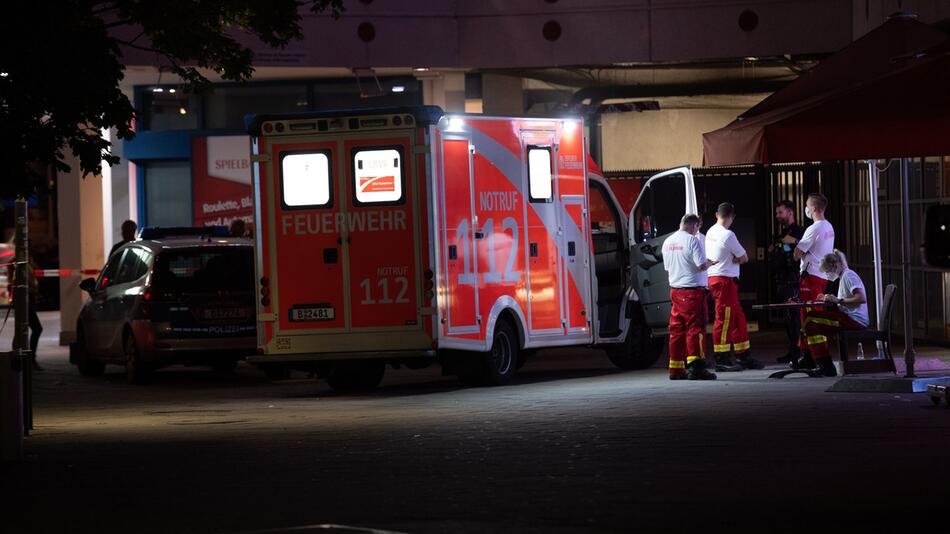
column 730, row 331
column 850, row 311
column 684, row 258
column 818, row 241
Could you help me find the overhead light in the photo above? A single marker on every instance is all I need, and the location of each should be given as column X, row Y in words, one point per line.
column 751, row 58
column 158, row 90
column 182, row 110
column 399, row 88
column 456, row 124
column 4, row 74
column 421, row 69
column 172, row 90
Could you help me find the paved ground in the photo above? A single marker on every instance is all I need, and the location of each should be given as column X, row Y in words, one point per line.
column 575, row 446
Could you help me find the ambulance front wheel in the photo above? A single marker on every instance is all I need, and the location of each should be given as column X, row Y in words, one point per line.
column 638, row 351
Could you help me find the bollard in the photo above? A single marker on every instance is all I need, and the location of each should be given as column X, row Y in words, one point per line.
column 11, row 407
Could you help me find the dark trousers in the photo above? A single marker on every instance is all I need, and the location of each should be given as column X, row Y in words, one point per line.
column 793, row 320
column 36, row 328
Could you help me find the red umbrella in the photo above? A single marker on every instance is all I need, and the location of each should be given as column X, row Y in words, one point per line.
column 903, row 113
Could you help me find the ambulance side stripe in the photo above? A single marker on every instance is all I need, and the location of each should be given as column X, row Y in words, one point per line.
column 511, row 167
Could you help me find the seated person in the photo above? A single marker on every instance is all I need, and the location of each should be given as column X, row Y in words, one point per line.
column 850, row 312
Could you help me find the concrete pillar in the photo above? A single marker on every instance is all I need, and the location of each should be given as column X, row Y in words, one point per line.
column 444, row 89
column 81, row 240
column 502, row 95
column 122, row 195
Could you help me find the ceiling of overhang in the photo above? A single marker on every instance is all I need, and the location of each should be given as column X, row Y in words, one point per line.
column 699, row 74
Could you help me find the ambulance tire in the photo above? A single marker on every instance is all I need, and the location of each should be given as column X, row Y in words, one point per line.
column 356, row 376
column 497, row 366
column 638, row 351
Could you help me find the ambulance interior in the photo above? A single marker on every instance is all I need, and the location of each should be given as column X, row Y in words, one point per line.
column 610, row 258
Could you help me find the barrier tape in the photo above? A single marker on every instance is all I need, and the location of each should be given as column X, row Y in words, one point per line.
column 55, row 273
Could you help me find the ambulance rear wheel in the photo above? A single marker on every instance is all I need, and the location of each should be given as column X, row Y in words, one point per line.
column 356, row 376
column 501, row 362
column 638, row 351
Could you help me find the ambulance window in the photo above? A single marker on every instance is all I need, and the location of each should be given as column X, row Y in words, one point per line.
column 539, row 173
column 377, row 176
column 305, row 180
column 603, row 217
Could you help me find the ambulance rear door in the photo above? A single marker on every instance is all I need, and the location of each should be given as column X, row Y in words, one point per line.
column 662, row 202
column 383, row 233
column 344, row 241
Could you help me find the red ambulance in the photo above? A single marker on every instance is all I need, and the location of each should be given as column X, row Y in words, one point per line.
column 409, row 236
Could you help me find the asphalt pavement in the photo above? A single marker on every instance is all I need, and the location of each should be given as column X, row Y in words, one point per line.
column 574, row 446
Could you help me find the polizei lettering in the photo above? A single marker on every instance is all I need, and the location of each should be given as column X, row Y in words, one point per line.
column 333, row 223
column 498, row 200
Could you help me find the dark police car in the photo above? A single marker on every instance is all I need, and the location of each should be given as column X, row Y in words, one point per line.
column 176, row 295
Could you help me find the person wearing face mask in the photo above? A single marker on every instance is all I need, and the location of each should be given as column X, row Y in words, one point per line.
column 817, row 242
column 850, row 313
column 684, row 258
column 785, row 270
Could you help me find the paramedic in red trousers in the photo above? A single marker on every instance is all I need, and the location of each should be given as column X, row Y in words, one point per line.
column 730, row 332
column 850, row 311
column 684, row 258
column 818, row 242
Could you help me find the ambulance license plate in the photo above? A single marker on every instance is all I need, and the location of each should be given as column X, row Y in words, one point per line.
column 312, row 313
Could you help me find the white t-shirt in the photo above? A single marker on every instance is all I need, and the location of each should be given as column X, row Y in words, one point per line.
column 683, row 255
column 818, row 241
column 722, row 245
column 849, row 282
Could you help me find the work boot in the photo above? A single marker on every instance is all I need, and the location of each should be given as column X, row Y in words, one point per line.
column 724, row 364
column 678, row 376
column 697, row 371
column 746, row 361
column 803, row 362
column 35, row 364
column 827, row 367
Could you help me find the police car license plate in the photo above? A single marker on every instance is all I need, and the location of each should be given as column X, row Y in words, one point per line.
column 225, row 313
column 312, row 313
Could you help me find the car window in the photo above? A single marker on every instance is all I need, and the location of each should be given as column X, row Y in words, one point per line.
column 134, row 265
column 108, row 274
column 204, row 270
column 659, row 208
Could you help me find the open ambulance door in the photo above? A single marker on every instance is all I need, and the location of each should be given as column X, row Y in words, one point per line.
column 663, row 201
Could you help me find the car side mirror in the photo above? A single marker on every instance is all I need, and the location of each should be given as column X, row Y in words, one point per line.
column 936, row 245
column 88, row 285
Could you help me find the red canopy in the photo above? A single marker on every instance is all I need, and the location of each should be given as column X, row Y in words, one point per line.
column 885, row 95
